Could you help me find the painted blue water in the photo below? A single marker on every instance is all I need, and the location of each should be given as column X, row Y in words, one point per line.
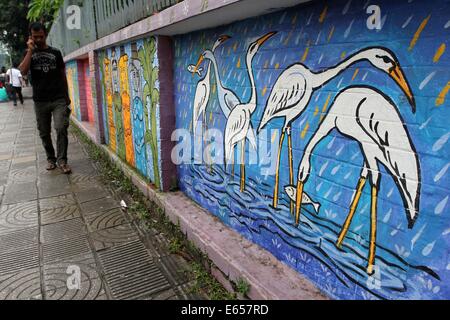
column 251, row 214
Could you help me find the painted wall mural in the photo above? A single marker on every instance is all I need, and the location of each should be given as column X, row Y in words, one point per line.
column 74, row 92
column 356, row 117
column 129, row 77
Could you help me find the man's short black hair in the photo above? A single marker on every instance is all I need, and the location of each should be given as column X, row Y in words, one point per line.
column 37, row 26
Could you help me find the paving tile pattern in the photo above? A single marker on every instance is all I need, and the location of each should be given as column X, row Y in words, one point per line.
column 65, row 237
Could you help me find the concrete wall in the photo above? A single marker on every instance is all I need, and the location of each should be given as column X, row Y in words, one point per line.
column 369, row 142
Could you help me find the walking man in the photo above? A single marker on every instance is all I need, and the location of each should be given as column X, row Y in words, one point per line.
column 15, row 81
column 50, row 95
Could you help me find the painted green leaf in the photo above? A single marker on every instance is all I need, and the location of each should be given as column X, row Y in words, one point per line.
column 147, row 56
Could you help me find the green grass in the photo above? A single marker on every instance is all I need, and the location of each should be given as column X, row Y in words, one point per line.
column 242, row 286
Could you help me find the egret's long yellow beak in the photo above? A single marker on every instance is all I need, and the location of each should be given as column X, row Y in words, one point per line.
column 298, row 201
column 199, row 62
column 397, row 74
column 266, row 37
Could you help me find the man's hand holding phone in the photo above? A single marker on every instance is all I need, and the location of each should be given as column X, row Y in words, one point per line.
column 30, row 44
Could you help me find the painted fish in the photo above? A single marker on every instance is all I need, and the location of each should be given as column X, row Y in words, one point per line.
column 191, row 69
column 291, row 191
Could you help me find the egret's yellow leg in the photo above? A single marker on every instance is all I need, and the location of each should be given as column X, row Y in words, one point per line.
column 242, row 165
column 277, row 177
column 209, row 153
column 373, row 231
column 298, row 201
column 348, row 221
column 232, row 165
column 291, row 170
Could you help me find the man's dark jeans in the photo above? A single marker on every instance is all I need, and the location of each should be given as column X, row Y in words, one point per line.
column 61, row 114
column 16, row 91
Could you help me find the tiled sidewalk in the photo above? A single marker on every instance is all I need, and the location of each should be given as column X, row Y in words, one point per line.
column 52, row 224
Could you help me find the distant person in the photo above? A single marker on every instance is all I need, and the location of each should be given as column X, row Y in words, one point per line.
column 15, row 82
column 50, row 94
column 3, row 77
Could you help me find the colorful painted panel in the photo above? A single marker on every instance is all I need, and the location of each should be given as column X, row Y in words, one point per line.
column 103, row 75
column 129, row 76
column 340, row 115
column 88, row 90
column 74, row 92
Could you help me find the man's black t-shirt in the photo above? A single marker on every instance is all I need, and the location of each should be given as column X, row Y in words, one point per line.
column 47, row 67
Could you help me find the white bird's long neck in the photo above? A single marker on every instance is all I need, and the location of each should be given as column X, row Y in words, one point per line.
column 208, row 72
column 216, row 73
column 323, row 77
column 220, row 89
column 252, row 101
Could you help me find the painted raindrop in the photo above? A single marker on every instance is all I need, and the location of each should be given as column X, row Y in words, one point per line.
column 322, row 169
column 337, row 196
column 441, row 173
column 330, row 144
column 340, row 150
column 441, row 142
column 328, row 193
column 318, row 38
column 423, row 125
column 335, row 170
column 383, row 21
column 387, row 216
column 320, row 59
column 407, row 22
column 310, row 18
column 347, row 7
column 440, row 207
column 428, row 248
column 390, row 192
column 426, row 80
column 416, row 237
column 347, row 32
column 365, row 76
column 282, row 18
column 319, row 186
